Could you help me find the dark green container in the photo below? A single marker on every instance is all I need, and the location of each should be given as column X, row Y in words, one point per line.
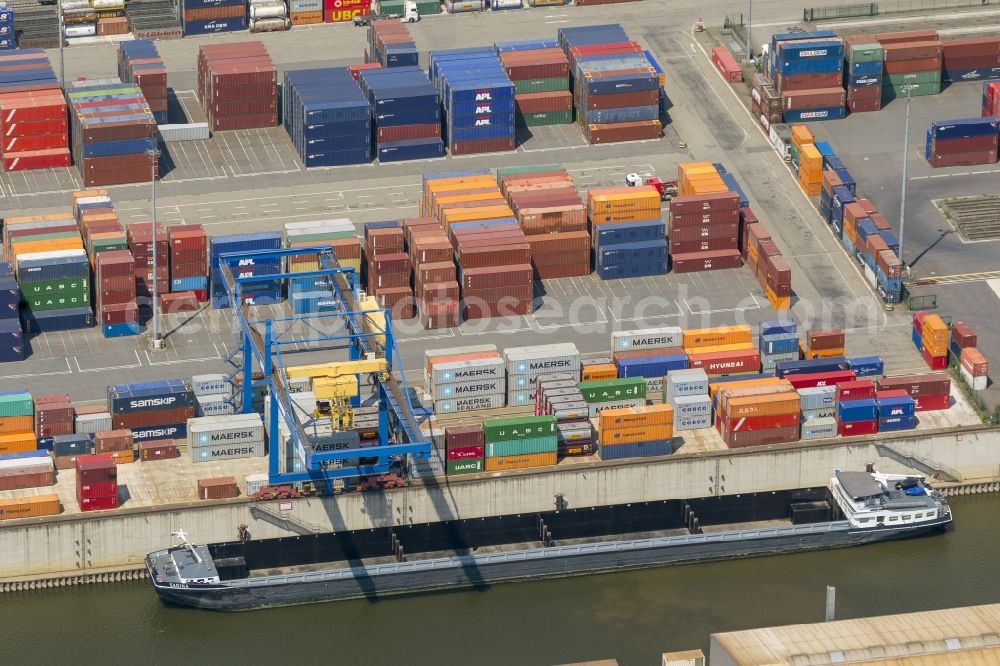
column 518, row 428
column 544, row 118
column 57, row 301
column 551, row 84
column 910, row 78
column 610, row 390
column 459, row 467
column 52, row 287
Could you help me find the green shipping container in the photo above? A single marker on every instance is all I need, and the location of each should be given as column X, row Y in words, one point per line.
column 916, row 90
column 522, row 447
column 609, row 390
column 458, row 467
column 16, row 404
column 49, row 287
column 104, row 92
column 550, row 84
column 544, row 118
column 57, row 301
column 896, row 80
column 519, row 428
column 47, row 236
column 108, row 245
column 866, row 53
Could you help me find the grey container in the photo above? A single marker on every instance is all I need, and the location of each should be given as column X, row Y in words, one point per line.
column 817, row 397
column 595, row 408
column 427, row 467
column 299, row 385
column 232, row 451
column 769, row 361
column 210, row 431
column 647, row 338
column 185, row 132
column 600, row 360
column 823, row 412
column 692, row 405
column 210, row 384
column 571, row 410
column 218, row 404
column 469, row 404
column 685, row 382
column 692, row 422
column 516, row 398
column 466, row 371
column 819, row 428
column 573, row 432
column 91, row 423
column 484, row 386
column 654, row 385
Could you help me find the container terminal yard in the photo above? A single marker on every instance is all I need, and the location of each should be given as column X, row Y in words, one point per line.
column 858, row 377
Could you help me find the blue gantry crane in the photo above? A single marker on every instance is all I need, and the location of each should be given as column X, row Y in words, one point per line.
column 357, row 324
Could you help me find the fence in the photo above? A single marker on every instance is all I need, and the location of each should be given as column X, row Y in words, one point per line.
column 886, row 7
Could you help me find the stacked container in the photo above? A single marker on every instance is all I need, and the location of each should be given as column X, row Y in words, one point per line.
column 540, row 74
column 809, row 76
column 390, row 44
column 478, row 100
column 387, row 268
column 98, row 223
column 458, row 382
column 558, row 394
column 613, row 393
column 8, row 37
column 869, row 238
column 66, row 449
column 833, row 196
column 31, row 469
column 971, row 59
column 152, row 410
column 759, row 415
column 113, row 133
column 810, row 174
column 237, row 86
column 863, row 73
column 267, row 15
column 765, row 101
column 225, row 437
column 764, row 258
column 548, row 209
column 636, row 432
column 704, row 232
column 930, row 392
column 406, row 110
column 912, row 64
column 188, row 251
column 687, row 392
column 520, row 442
column 264, row 292
column 991, row 98
column 207, row 17
column 96, row 482
column 962, row 142
column 115, row 293
column 312, row 295
column 818, row 405
column 616, row 91
column 464, row 450
column 857, row 417
column 12, row 345
column 140, row 242
column 304, row 12
column 651, row 364
column 32, row 113
column 934, row 336
column 54, row 415
column 92, row 419
column 139, row 63
column 119, row 443
column 974, row 367
column 628, row 234
column 494, row 268
column 327, row 117
column 17, row 433
column 724, row 350
column 213, row 395
column 896, row 411
column 823, row 343
column 525, row 365
column 778, row 341
column 435, row 279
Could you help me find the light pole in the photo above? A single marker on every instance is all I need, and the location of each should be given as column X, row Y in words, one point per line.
column 155, row 341
column 749, row 30
column 62, row 60
column 902, row 198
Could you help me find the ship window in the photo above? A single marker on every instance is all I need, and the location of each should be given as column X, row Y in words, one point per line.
column 918, row 516
column 863, row 520
column 932, row 514
column 880, row 519
column 907, row 516
column 893, row 519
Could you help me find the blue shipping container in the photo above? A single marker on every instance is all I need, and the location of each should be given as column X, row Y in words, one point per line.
column 67, row 319
column 851, row 411
column 651, row 366
column 214, row 26
column 904, row 405
column 866, row 366
column 662, row 447
column 897, row 423
column 629, row 232
column 778, row 327
column 811, row 366
column 807, row 115
column 961, row 128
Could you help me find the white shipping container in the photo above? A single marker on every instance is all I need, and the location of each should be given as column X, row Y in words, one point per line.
column 81, row 30
column 184, row 132
column 485, row 386
column 819, row 428
column 685, row 382
column 255, row 482
column 977, row 383
column 17, row 466
column 692, row 422
column 654, row 385
column 225, row 430
column 299, row 384
column 573, row 432
column 817, row 397
column 457, row 6
column 464, row 371
column 210, row 384
column 231, row 451
column 428, row 466
column 469, row 404
column 692, row 405
column 219, row 404
column 596, row 408
column 647, row 338
column 571, row 410
column 526, row 397
column 263, row 9
column 297, row 6
column 91, row 423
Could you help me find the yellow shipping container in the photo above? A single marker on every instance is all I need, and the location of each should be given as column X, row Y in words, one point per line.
column 635, row 417
column 527, row 461
column 29, row 507
column 18, row 442
column 713, row 388
column 687, row 169
column 779, row 303
column 812, row 354
column 810, row 158
column 86, row 194
column 123, row 457
column 623, row 199
column 597, row 372
column 773, row 404
column 696, row 338
column 934, row 331
column 16, row 424
column 935, row 349
column 801, row 136
column 720, row 349
column 651, row 433
column 449, row 217
column 28, row 219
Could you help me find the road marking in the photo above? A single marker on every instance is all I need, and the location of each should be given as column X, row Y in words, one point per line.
column 67, row 371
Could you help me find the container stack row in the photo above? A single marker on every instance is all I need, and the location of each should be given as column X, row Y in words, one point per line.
column 962, row 142
column 540, row 74
column 115, row 293
column 636, row 432
column 932, row 339
column 703, row 227
column 549, row 210
column 17, row 431
column 991, row 98
column 259, row 293
column 809, row 76
column 558, row 394
column 629, row 237
column 390, row 44
column 615, row 89
column 524, row 365
column 970, row 59
column 764, row 258
column 765, row 101
column 114, row 134
column 520, row 442
column 387, row 269
column 912, row 65
column 152, row 410
column 8, row 35
column 863, row 73
column 207, row 17
column 406, row 113
column 478, row 100
column 96, row 482
column 327, row 117
column 140, row 242
column 139, row 63
column 778, row 341
column 188, row 250
column 226, row 437
column 465, row 448
column 972, row 364
column 33, row 118
column 465, row 379
column 435, row 277
column 12, row 343
column 237, row 86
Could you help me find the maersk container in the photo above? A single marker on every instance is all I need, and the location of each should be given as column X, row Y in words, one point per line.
column 220, row 430
column 234, row 451
column 463, row 371
column 825, row 412
column 486, row 386
column 662, row 447
column 651, row 366
column 819, row 428
column 470, row 404
column 647, row 338
column 817, row 397
column 692, row 405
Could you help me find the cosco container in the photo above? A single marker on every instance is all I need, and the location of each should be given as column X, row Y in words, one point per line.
column 219, row 404
column 210, row 384
column 686, row 382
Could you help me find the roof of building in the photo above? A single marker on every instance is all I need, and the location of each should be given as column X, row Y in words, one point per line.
column 967, row 636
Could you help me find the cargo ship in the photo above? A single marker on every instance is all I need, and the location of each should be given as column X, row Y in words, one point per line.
column 856, row 508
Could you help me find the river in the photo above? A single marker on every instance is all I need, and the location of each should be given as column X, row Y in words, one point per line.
column 632, row 616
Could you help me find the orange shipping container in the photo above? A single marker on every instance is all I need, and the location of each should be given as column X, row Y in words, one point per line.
column 696, row 338
column 723, row 349
column 810, row 354
column 19, row 424
column 935, row 330
column 504, row 463
column 29, row 507
column 305, row 18
column 772, row 404
column 597, row 372
column 623, row 199
column 744, row 383
column 801, row 136
column 18, row 442
column 636, row 417
column 123, row 457
column 974, row 362
column 651, row 433
column 473, row 214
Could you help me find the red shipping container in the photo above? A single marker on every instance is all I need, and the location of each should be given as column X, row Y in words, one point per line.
column 858, row 389
column 97, row 489
column 930, row 403
column 808, row 81
column 934, row 362
column 727, row 363
column 912, row 65
column 922, row 385
column 703, row 233
column 37, row 159
column 856, row 428
column 705, row 203
column 714, row 245
column 963, row 335
column 819, row 378
column 481, row 146
column 499, row 276
column 465, row 452
column 706, row 261
column 120, row 313
column 95, row 468
column 813, row 99
column 35, row 142
column 748, row 423
column 964, row 159
column 35, row 127
column 98, row 503
column 726, row 64
column 629, row 131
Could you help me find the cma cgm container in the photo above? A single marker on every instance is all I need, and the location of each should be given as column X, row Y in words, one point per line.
column 208, row 17
column 327, row 117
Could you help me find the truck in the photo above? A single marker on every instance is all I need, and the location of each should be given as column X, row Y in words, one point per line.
column 409, row 15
